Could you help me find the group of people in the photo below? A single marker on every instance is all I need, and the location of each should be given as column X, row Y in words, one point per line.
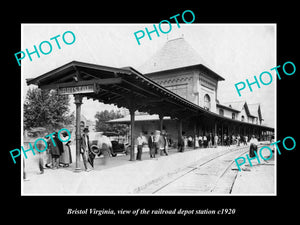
column 210, row 140
column 58, row 153
column 89, row 152
column 157, row 142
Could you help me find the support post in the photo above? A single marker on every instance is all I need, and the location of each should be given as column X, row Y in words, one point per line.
column 132, row 110
column 78, row 102
column 179, row 130
column 222, row 135
column 260, row 136
column 216, row 129
column 161, row 121
column 195, row 133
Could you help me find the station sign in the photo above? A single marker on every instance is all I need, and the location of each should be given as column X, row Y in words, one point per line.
column 76, row 90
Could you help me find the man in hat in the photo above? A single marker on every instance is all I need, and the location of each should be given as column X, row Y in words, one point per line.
column 151, row 145
column 140, row 143
column 85, row 148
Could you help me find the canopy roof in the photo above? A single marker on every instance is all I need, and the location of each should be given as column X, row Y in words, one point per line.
column 124, row 87
column 144, row 117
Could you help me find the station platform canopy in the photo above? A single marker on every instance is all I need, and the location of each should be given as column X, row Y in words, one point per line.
column 124, row 87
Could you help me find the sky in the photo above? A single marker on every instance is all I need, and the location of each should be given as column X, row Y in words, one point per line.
column 235, row 51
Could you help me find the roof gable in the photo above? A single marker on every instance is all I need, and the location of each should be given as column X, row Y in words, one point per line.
column 238, row 106
column 253, row 108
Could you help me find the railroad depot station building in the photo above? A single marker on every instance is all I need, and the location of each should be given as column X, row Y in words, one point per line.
column 178, row 68
column 173, row 91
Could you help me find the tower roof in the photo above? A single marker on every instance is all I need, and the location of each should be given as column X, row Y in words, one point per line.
column 175, row 54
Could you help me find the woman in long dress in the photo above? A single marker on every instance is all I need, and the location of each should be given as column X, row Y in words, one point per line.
column 65, row 158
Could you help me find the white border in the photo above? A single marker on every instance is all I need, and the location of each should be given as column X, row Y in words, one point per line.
column 204, row 24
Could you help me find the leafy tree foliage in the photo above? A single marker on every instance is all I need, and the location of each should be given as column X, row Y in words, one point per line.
column 46, row 108
column 104, row 116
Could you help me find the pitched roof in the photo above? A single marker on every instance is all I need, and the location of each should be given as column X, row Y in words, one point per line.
column 235, row 105
column 176, row 53
column 221, row 105
column 253, row 108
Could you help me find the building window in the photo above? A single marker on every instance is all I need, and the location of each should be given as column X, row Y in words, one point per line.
column 179, row 89
column 221, row 112
column 233, row 116
column 207, row 102
column 243, row 118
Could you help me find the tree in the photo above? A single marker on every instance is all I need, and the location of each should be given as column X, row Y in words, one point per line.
column 46, row 108
column 104, row 116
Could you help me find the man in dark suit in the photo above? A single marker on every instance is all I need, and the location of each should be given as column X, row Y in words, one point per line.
column 151, row 145
column 181, row 143
column 86, row 149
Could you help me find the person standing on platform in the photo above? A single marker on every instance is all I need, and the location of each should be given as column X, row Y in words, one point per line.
column 225, row 140
column 209, row 139
column 238, row 139
column 65, row 158
column 196, row 141
column 105, row 150
column 204, row 141
column 156, row 139
column 41, row 145
column 246, row 140
column 161, row 144
column 233, row 139
column 181, row 143
column 105, row 146
column 253, row 146
column 216, row 141
column 55, row 150
column 190, row 141
column 85, row 148
column 48, row 153
column 200, row 141
column 151, row 145
column 166, row 144
column 140, row 143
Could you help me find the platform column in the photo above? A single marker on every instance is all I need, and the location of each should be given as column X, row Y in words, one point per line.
column 78, row 103
column 179, row 130
column 161, row 122
column 132, row 117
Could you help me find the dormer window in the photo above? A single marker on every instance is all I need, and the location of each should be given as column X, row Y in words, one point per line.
column 221, row 112
column 207, row 102
column 233, row 116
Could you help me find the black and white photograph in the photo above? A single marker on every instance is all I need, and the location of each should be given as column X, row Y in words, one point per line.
column 149, row 111
column 142, row 109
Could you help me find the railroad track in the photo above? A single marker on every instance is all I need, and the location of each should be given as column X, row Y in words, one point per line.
column 210, row 176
